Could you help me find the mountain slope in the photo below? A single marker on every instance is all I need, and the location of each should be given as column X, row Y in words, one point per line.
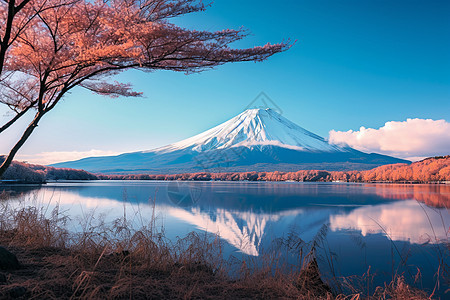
column 255, row 140
column 254, row 127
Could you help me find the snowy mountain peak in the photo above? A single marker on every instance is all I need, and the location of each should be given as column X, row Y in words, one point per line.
column 255, row 127
column 255, row 140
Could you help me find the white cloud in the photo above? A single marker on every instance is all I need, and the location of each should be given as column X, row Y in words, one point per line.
column 412, row 139
column 46, row 158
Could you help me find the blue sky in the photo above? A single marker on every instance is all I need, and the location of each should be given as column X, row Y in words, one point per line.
column 355, row 63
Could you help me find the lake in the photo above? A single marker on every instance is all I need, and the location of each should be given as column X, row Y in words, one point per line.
column 385, row 229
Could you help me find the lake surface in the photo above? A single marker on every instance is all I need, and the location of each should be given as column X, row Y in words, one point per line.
column 385, row 227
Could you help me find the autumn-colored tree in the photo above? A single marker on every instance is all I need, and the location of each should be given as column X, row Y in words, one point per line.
column 15, row 17
column 428, row 170
column 48, row 47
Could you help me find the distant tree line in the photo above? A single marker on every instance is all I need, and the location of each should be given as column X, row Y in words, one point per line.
column 435, row 169
column 23, row 172
column 428, row 170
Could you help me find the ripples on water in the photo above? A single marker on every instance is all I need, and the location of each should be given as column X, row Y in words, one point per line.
column 364, row 223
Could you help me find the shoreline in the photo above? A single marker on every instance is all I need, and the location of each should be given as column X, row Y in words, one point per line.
column 115, row 260
column 434, row 170
column 59, row 272
column 21, row 182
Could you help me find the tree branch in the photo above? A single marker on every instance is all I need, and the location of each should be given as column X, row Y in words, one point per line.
column 13, row 120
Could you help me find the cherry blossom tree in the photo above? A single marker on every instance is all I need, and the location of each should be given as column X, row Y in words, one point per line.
column 48, row 47
column 15, row 17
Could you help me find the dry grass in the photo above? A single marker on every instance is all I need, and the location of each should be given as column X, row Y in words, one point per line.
column 115, row 261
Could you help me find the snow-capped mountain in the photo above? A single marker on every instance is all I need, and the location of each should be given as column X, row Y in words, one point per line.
column 255, row 140
column 251, row 128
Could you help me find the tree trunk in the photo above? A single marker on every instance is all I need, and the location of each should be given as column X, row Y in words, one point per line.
column 19, row 144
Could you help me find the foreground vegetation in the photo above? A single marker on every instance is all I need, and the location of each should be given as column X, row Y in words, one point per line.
column 116, row 261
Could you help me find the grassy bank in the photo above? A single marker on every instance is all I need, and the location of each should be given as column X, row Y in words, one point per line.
column 116, row 261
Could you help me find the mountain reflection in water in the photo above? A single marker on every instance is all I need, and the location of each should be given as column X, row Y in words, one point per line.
column 248, row 215
column 362, row 220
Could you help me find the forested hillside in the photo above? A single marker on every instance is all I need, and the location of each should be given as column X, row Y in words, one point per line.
column 435, row 169
column 428, row 170
column 29, row 173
